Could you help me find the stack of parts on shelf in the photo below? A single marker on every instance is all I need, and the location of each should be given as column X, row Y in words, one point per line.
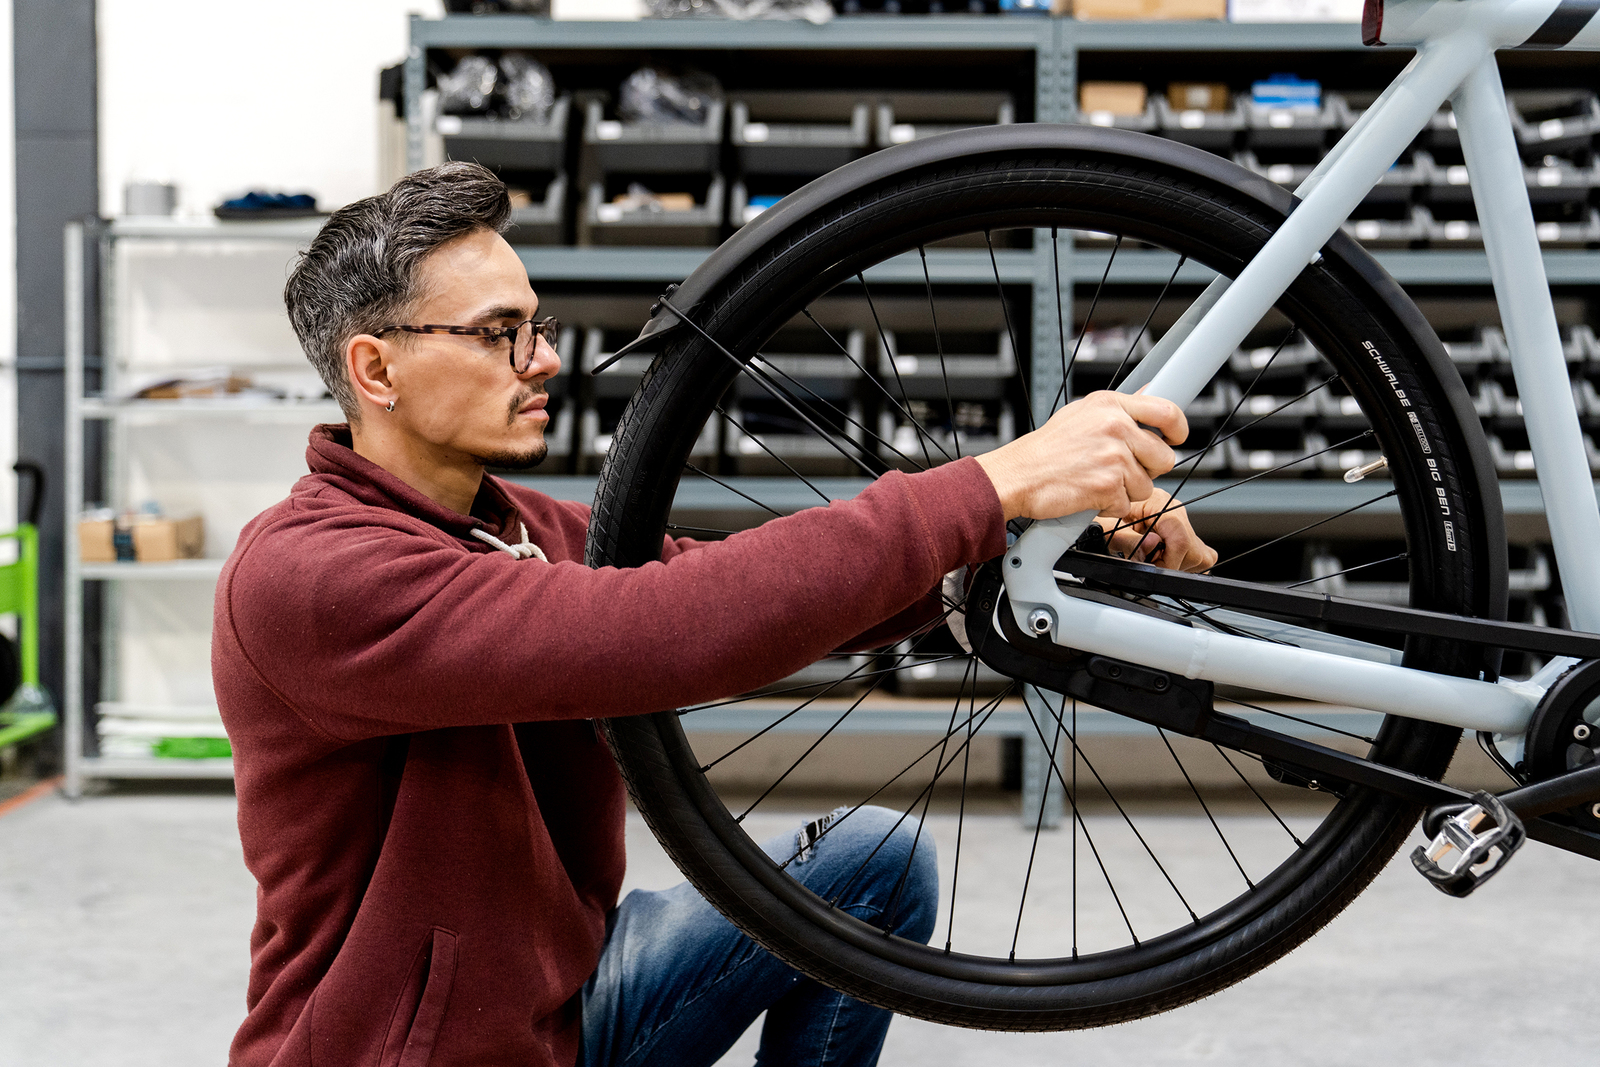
column 145, row 536
column 129, row 731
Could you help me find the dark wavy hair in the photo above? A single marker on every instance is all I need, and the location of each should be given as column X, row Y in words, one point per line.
column 360, row 273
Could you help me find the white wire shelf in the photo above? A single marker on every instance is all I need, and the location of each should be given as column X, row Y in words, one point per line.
column 101, row 408
column 177, row 569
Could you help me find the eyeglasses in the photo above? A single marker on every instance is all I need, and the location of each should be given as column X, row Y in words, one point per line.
column 521, row 337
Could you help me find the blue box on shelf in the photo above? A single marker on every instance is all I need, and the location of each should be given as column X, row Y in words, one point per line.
column 1286, row 90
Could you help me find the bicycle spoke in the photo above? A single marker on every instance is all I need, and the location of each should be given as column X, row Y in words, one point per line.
column 1087, row 836
column 1073, row 740
column 938, row 768
column 1061, row 323
column 700, row 529
column 1145, row 326
column 748, row 697
column 1205, row 807
column 1303, row 529
column 1298, row 719
column 826, row 499
column 894, row 366
column 1247, row 784
column 926, row 790
column 938, row 344
column 731, row 489
column 1077, row 819
column 1242, row 481
column 777, row 394
column 961, row 817
column 1349, row 570
column 826, row 404
column 830, row 687
column 1088, row 320
column 813, row 747
column 984, row 713
column 1005, row 309
column 1038, row 825
column 870, row 377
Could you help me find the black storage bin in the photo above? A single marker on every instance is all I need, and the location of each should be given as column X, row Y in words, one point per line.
column 653, row 148
column 500, row 144
column 801, row 132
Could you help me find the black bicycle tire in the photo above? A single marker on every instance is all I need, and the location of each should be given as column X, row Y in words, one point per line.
column 653, row 440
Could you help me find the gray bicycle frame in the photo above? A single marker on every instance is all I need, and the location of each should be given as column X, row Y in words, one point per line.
column 1456, row 43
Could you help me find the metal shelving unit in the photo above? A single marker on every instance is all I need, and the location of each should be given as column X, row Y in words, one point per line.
column 82, row 268
column 1057, row 46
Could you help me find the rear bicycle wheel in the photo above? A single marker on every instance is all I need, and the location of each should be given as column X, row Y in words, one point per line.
column 1128, row 917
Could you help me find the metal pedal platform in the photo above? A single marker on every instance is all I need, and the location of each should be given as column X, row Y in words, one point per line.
column 1471, row 843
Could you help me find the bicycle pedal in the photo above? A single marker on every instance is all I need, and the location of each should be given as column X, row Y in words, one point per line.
column 1471, row 843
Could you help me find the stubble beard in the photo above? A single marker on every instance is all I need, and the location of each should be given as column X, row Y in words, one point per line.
column 524, row 459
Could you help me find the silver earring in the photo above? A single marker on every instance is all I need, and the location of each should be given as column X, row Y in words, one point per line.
column 390, row 407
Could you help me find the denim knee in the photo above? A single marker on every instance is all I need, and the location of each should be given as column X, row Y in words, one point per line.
column 902, row 887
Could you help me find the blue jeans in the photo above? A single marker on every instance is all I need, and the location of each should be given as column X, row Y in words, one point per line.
column 678, row 984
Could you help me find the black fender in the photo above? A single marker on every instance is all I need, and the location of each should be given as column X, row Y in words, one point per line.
column 896, row 164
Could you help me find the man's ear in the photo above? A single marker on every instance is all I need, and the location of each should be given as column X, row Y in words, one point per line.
column 367, row 363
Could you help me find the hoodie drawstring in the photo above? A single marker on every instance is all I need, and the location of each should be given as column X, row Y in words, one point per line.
column 526, row 550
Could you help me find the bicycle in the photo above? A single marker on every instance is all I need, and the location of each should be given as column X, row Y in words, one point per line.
column 1056, row 615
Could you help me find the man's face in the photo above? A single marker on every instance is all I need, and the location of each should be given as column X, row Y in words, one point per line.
column 461, row 394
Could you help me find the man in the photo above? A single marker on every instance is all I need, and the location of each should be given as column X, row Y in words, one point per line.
column 405, row 652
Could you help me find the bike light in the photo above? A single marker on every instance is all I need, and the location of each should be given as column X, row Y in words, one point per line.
column 1372, row 22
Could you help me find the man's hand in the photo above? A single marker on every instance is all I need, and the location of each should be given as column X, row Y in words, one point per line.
column 1154, row 530
column 1093, row 455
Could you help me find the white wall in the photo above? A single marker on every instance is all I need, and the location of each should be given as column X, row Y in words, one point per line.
column 222, row 97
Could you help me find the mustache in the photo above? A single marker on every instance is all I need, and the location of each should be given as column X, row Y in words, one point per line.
column 522, row 397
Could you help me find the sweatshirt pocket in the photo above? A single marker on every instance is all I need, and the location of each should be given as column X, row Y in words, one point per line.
column 419, row 1009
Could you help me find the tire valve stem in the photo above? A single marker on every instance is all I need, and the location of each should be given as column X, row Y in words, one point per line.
column 1355, row 474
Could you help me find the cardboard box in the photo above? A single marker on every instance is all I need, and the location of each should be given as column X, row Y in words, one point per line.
column 1197, row 96
column 1118, row 98
column 96, row 541
column 1150, row 9
column 160, row 540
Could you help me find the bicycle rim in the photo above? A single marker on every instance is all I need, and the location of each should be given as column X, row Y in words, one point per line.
column 1081, row 944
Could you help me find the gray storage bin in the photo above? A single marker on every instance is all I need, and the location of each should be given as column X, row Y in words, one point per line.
column 1288, row 175
column 603, row 223
column 504, row 145
column 653, row 148
column 1554, row 120
column 904, row 117
column 974, row 370
column 808, row 357
column 739, row 210
column 1392, row 233
column 1584, row 233
column 1215, row 131
column 1563, row 183
column 755, row 445
column 541, row 223
column 1144, row 122
column 1486, row 349
column 799, row 132
column 1290, row 127
column 1246, row 363
column 900, row 442
column 609, row 392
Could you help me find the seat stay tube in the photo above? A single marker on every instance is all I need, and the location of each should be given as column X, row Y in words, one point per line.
column 1037, row 600
column 1516, row 265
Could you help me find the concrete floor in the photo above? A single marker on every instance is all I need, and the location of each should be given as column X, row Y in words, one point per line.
column 126, row 917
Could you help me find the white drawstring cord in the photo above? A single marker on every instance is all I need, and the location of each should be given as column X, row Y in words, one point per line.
column 526, row 550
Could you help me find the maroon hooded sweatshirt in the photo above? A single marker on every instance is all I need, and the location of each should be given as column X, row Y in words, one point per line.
column 436, row 833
